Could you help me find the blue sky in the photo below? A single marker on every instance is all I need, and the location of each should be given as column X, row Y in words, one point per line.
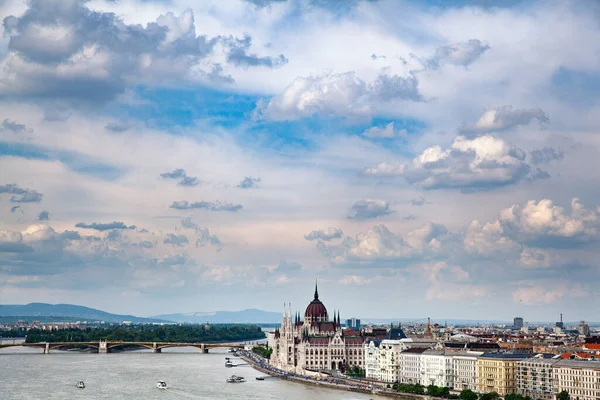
column 418, row 158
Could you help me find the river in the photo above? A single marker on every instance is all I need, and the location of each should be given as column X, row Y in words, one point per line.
column 27, row 374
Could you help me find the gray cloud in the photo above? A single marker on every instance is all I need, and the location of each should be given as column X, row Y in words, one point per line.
column 104, row 226
column 248, row 182
column 179, row 173
column 463, row 53
column 418, row 202
column 207, row 205
column 43, row 216
column 288, row 267
column 325, row 234
column 45, row 42
column 203, row 235
column 369, row 209
column 21, row 195
column 175, row 174
column 505, row 118
column 483, row 163
column 176, row 240
column 15, row 248
column 238, row 55
column 146, row 244
column 117, row 127
column 12, row 126
column 546, row 155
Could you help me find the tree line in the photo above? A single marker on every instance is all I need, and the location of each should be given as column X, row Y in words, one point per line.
column 150, row 333
column 467, row 394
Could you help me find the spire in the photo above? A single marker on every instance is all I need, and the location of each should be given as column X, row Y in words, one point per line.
column 339, row 321
column 334, row 320
column 316, row 291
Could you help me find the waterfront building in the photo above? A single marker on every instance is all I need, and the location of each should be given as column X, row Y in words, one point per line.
column 315, row 343
column 535, row 376
column 389, row 360
column 436, row 368
column 579, row 378
column 410, row 365
column 465, row 370
column 371, row 352
column 497, row 372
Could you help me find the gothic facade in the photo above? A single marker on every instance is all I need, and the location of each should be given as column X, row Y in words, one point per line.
column 314, row 343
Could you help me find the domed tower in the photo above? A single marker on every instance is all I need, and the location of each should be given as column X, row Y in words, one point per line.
column 316, row 311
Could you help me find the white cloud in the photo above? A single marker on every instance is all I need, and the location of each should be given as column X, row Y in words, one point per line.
column 505, row 118
column 546, row 293
column 482, row 163
column 337, row 94
column 386, row 132
column 369, row 209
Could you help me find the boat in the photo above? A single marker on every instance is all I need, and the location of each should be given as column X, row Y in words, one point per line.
column 260, row 378
column 161, row 384
column 236, row 379
column 228, row 363
column 80, row 385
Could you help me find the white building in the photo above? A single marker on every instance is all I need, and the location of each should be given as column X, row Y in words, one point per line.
column 437, row 369
column 535, row 377
column 389, row 360
column 465, row 370
column 410, row 365
column 371, row 352
column 579, row 378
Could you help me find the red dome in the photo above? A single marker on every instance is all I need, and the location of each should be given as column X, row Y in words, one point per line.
column 316, row 309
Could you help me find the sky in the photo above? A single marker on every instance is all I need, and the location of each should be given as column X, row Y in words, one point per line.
column 418, row 158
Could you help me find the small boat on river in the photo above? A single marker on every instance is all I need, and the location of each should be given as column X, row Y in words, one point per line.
column 236, row 379
column 80, row 385
column 161, row 384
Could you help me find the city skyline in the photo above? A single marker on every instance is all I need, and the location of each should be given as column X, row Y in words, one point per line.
column 418, row 158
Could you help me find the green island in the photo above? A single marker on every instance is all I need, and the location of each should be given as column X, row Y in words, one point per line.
column 151, row 333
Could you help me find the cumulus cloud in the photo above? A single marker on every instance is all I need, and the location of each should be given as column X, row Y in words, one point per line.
column 203, row 234
column 207, row 205
column 62, row 49
column 546, row 155
column 43, row 216
column 463, row 53
column 189, row 181
column 505, row 118
column 248, row 182
column 104, row 226
column 333, row 94
column 535, row 258
column 378, row 244
column 325, row 234
column 385, row 132
column 483, row 163
column 449, row 283
column 369, row 209
column 176, row 240
column 238, row 55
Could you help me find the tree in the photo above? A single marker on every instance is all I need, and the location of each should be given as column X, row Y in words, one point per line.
column 468, row 394
column 432, row 390
column 564, row 395
column 489, row 396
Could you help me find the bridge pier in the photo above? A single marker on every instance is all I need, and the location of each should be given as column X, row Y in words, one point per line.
column 155, row 348
column 102, row 347
column 204, row 348
column 47, row 348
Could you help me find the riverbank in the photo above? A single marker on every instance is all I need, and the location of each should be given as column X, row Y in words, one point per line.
column 262, row 365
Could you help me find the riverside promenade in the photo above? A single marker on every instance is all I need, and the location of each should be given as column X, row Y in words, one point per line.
column 260, row 364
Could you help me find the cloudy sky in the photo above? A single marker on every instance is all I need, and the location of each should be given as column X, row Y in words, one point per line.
column 419, row 158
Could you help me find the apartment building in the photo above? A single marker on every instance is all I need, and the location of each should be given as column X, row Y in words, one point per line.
column 465, row 370
column 389, row 360
column 436, row 368
column 581, row 379
column 497, row 372
column 371, row 352
column 535, row 376
column 410, row 365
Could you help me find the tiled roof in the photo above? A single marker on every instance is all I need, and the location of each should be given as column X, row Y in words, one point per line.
column 318, row 340
column 507, row 356
column 415, row 350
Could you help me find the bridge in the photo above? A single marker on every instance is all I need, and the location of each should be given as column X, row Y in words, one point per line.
column 104, row 346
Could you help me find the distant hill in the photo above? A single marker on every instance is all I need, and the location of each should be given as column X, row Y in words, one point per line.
column 249, row 316
column 68, row 311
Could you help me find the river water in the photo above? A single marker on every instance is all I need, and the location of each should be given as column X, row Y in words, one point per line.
column 29, row 374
